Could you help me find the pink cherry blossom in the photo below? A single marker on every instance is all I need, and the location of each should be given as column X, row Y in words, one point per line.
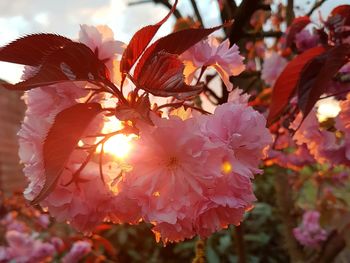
column 272, row 67
column 100, row 39
column 173, row 177
column 210, row 53
column 77, row 252
column 241, row 132
column 305, row 40
column 83, row 204
column 322, row 144
column 295, row 157
column 24, row 248
column 196, row 178
column 309, row 233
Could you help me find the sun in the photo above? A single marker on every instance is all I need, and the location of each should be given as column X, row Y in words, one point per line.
column 327, row 108
column 119, row 145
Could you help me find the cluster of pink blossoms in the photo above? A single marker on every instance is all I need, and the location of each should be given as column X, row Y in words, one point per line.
column 309, row 233
column 272, row 67
column 27, row 246
column 326, row 146
column 189, row 176
column 197, row 176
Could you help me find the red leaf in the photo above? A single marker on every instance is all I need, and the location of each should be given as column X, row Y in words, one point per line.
column 73, row 62
column 105, row 243
column 61, row 141
column 139, row 42
column 340, row 14
column 163, row 76
column 297, row 25
column 175, row 43
column 287, row 81
column 317, row 74
column 30, row 50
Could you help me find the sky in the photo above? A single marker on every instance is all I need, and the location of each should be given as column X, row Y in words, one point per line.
column 21, row 17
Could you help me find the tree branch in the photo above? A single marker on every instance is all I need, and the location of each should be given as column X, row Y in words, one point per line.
column 317, row 4
column 285, row 206
column 196, row 11
column 263, row 34
column 290, row 12
column 176, row 13
column 239, row 237
column 242, row 17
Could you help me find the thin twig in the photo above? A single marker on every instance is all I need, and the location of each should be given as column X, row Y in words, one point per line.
column 212, row 93
column 290, row 12
column 100, row 162
column 196, row 11
column 239, row 238
column 176, row 13
column 317, row 4
column 263, row 34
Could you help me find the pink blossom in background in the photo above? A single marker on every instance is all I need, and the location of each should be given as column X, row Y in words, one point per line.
column 24, row 248
column 305, row 40
column 272, row 67
column 295, row 159
column 224, row 59
column 324, row 145
column 77, row 252
column 309, row 233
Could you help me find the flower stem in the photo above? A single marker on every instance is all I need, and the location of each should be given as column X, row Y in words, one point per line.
column 200, row 252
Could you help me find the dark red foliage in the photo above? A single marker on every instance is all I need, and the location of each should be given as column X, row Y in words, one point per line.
column 61, row 140
column 31, row 50
column 297, row 25
column 163, row 76
column 139, row 42
column 317, row 74
column 73, row 62
column 175, row 43
column 340, row 14
column 286, row 83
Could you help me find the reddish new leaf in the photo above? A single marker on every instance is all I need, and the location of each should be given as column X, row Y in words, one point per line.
column 175, row 43
column 297, row 25
column 163, row 76
column 340, row 14
column 139, row 42
column 61, row 140
column 286, row 83
column 316, row 76
column 73, row 62
column 30, row 50
column 139, row 109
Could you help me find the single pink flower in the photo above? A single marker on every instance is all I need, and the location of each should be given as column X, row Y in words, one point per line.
column 178, row 168
column 272, row 67
column 100, row 39
column 241, row 132
column 23, row 247
column 224, row 59
column 304, row 40
column 309, row 233
column 79, row 250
